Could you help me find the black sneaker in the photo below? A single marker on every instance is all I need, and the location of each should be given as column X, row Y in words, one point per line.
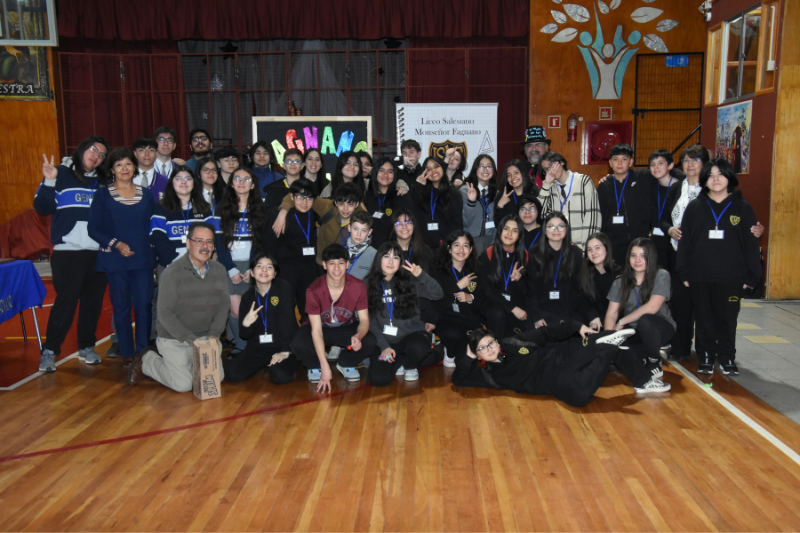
column 706, row 364
column 655, row 369
column 677, row 358
column 113, row 351
column 729, row 368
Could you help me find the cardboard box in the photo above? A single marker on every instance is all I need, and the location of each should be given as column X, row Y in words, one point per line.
column 207, row 369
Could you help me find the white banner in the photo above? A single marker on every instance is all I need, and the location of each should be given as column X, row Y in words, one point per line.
column 471, row 128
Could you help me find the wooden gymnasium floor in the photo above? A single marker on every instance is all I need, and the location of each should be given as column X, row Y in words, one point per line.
column 81, row 450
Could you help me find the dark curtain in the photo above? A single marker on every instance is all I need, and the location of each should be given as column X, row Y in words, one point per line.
column 144, row 20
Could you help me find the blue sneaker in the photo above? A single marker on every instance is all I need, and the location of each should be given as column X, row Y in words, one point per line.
column 314, row 375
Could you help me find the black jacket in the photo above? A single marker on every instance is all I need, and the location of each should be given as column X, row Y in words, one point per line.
column 388, row 204
column 281, row 322
column 447, row 217
column 467, row 312
column 571, row 303
column 634, row 205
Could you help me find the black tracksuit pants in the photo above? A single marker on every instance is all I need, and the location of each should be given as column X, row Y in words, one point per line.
column 683, row 312
column 254, row 358
column 303, row 345
column 453, row 334
column 717, row 306
column 412, row 351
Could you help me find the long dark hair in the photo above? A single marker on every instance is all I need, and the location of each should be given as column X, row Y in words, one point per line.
column 443, row 196
column 416, row 238
column 587, row 273
column 230, row 213
column 172, row 204
column 527, row 184
column 77, row 160
column 322, row 176
column 542, row 257
column 374, row 189
column 496, row 275
column 628, row 276
column 473, row 175
column 219, row 186
column 405, row 286
column 338, row 178
column 273, row 163
column 443, row 260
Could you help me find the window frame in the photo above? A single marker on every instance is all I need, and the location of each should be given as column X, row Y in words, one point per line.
column 775, row 28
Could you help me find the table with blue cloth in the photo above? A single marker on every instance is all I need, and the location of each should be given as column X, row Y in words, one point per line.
column 21, row 288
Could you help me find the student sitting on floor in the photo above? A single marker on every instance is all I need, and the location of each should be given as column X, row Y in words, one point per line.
column 551, row 360
column 358, row 245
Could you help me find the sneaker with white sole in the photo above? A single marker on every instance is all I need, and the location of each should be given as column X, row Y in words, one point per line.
column 412, row 374
column 654, row 385
column 89, row 356
column 729, row 368
column 333, row 354
column 349, row 373
column 618, row 337
column 705, row 364
column 656, row 370
column 314, row 375
column 401, row 371
column 47, row 363
column 449, row 362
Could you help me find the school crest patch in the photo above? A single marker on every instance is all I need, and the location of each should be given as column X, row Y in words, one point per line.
column 440, row 149
column 517, row 330
column 388, row 211
column 274, row 301
column 586, row 341
column 735, row 220
column 733, row 299
column 523, row 351
column 472, row 286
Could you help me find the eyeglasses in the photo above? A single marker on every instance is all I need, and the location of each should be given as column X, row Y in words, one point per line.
column 548, row 168
column 182, row 179
column 485, row 167
column 292, row 161
column 560, row 227
column 536, row 145
column 202, row 138
column 96, row 150
column 689, row 160
column 404, row 223
column 528, row 210
column 239, row 179
column 301, row 198
column 210, row 171
column 491, row 346
column 168, row 140
column 202, row 242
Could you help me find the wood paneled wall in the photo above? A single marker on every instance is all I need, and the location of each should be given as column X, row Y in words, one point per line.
column 560, row 83
column 784, row 248
column 27, row 130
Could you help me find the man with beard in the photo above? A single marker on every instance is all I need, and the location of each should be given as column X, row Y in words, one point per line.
column 200, row 142
column 535, row 145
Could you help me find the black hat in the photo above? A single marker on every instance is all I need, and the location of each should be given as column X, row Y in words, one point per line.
column 535, row 134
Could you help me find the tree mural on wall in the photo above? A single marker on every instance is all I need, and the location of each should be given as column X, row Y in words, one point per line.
column 607, row 62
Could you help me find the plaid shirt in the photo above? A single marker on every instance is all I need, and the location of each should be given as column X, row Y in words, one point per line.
column 581, row 208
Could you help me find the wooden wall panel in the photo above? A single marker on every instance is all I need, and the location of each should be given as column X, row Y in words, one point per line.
column 560, row 83
column 784, row 247
column 27, row 129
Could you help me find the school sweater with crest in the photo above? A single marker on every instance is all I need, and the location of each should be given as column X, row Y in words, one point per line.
column 68, row 199
column 430, row 210
column 426, row 288
column 446, row 307
column 663, row 198
column 381, row 207
column 495, row 292
column 570, row 303
column 168, row 231
column 300, row 233
column 279, row 308
column 634, row 206
column 734, row 258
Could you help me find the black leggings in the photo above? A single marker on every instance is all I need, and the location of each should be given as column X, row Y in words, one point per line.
column 683, row 313
column 254, row 358
column 453, row 334
column 652, row 332
column 413, row 351
column 503, row 324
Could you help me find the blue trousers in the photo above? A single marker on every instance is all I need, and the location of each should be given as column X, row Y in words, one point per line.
column 131, row 289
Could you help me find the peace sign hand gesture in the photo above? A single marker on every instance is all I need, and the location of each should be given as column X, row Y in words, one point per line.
column 516, row 274
column 472, row 193
column 464, row 282
column 49, row 170
column 251, row 316
column 416, row 270
column 505, row 198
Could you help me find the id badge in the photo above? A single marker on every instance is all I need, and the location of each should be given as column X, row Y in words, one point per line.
column 433, row 226
column 183, row 239
column 390, row 330
column 619, row 219
column 309, row 250
column 716, row 234
column 265, row 338
column 456, row 308
column 489, row 224
column 658, row 231
column 238, row 245
column 554, row 295
column 377, row 214
column 507, row 296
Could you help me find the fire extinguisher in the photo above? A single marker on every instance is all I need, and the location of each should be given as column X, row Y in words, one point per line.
column 572, row 128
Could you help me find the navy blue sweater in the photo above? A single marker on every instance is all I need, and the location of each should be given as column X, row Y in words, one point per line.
column 68, row 201
column 111, row 221
column 168, row 231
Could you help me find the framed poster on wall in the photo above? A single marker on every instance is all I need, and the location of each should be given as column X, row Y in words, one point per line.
column 733, row 135
column 24, row 73
column 28, row 23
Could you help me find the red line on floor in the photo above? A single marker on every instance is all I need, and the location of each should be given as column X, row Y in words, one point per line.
column 178, row 428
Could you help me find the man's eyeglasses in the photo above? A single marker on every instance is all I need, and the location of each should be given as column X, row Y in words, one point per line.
column 301, row 198
column 96, row 150
column 560, row 227
column 167, row 140
column 491, row 346
column 536, row 145
column 202, row 138
column 404, row 223
column 292, row 161
column 201, row 242
column 530, row 210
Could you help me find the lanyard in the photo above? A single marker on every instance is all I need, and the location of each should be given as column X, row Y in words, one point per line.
column 186, row 213
column 507, row 277
column 266, row 299
column 555, row 275
column 306, row 234
column 409, row 254
column 353, row 262
column 242, row 218
column 571, row 183
column 666, row 197
column 433, row 205
column 380, row 204
column 515, row 197
column 386, row 301
column 535, row 239
column 636, row 295
column 620, row 196
column 455, row 273
column 717, row 218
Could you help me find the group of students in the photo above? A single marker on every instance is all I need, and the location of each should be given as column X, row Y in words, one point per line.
column 397, row 264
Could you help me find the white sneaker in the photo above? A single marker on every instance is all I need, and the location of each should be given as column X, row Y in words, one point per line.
column 349, row 373
column 333, row 354
column 618, row 337
column 314, row 375
column 401, row 371
column 412, row 374
column 449, row 362
column 654, row 385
